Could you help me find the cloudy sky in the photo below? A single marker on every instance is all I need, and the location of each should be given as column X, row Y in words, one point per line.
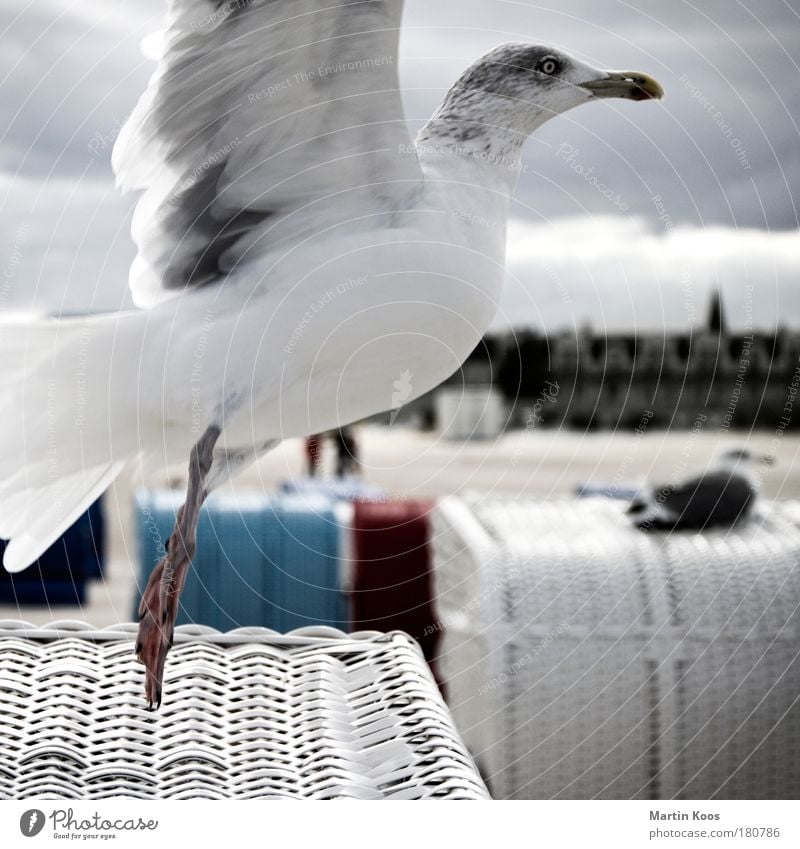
column 627, row 214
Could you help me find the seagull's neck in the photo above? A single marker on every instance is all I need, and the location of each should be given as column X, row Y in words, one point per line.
column 478, row 135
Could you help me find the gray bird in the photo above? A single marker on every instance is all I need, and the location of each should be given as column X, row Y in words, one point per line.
column 722, row 495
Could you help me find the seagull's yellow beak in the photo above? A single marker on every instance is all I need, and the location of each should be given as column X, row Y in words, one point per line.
column 630, row 85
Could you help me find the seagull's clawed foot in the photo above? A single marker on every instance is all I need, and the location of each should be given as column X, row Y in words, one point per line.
column 158, row 611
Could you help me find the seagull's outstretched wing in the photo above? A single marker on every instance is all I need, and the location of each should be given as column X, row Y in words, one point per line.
column 261, row 117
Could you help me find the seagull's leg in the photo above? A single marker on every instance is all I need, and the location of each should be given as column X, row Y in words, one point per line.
column 159, row 606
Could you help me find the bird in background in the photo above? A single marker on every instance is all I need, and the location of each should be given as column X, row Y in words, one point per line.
column 720, row 496
column 297, row 252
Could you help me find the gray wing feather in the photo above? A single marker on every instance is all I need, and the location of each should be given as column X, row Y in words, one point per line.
column 710, row 499
column 257, row 109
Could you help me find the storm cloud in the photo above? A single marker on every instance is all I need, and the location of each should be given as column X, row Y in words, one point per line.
column 700, row 188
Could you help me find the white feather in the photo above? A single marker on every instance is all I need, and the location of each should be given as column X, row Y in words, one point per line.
column 69, row 403
column 42, row 516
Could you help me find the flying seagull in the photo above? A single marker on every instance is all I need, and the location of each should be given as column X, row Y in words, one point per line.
column 298, row 256
column 722, row 495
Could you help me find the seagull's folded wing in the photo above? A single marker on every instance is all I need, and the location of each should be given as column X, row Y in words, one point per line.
column 714, row 495
column 262, row 118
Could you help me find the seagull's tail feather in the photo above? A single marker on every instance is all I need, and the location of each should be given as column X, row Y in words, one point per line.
column 638, row 505
column 35, row 523
column 64, row 402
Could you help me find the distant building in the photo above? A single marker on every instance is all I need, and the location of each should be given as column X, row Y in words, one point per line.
column 711, row 375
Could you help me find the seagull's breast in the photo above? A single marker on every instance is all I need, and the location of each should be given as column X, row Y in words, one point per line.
column 382, row 326
column 357, row 322
column 369, row 324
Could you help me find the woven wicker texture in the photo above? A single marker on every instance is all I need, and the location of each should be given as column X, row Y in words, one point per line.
column 586, row 659
column 249, row 714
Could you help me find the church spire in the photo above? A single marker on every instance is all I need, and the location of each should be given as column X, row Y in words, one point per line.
column 716, row 314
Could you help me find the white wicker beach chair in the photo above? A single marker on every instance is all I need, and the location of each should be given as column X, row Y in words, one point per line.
column 586, row 659
column 250, row 714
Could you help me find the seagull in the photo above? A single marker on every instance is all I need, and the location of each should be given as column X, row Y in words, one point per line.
column 721, row 496
column 299, row 256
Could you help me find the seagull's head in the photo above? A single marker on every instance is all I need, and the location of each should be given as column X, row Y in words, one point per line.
column 517, row 87
column 541, row 78
column 733, row 458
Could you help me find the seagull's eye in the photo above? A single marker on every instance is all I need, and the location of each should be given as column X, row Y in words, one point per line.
column 548, row 66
